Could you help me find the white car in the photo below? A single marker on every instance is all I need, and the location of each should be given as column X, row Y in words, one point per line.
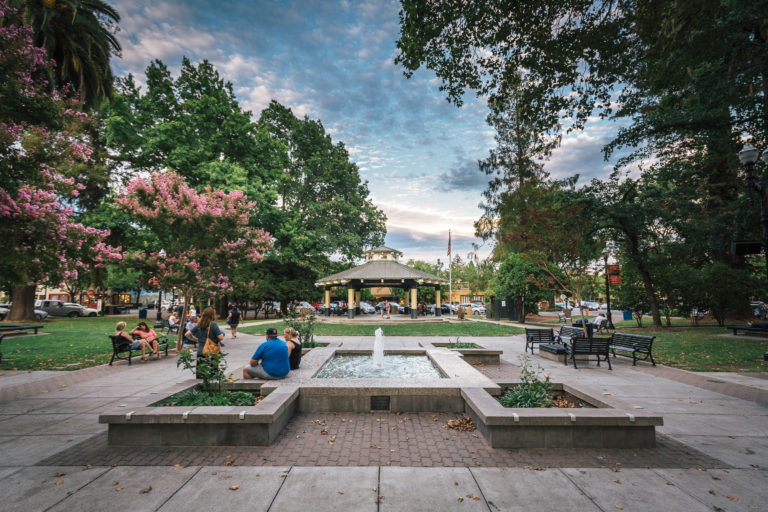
column 6, row 308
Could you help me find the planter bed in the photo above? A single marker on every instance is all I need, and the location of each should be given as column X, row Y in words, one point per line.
column 478, row 354
column 603, row 425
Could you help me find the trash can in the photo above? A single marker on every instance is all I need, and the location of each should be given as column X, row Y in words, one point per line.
column 590, row 327
column 142, row 313
column 627, row 315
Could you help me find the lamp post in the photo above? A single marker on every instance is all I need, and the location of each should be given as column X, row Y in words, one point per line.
column 159, row 320
column 606, row 253
column 748, row 157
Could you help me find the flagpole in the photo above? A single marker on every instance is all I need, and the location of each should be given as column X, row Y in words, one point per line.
column 450, row 274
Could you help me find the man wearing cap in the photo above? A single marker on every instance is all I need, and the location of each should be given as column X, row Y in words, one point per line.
column 270, row 361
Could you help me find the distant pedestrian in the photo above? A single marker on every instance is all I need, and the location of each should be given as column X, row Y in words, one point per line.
column 233, row 319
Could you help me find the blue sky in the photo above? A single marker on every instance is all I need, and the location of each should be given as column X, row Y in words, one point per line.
column 334, row 61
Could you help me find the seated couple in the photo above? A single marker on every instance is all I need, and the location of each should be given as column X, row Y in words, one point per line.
column 147, row 338
column 275, row 358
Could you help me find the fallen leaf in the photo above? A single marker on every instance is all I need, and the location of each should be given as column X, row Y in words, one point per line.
column 618, row 507
column 145, row 491
column 118, row 489
column 234, row 487
column 60, row 473
column 715, row 477
column 455, row 483
column 340, row 492
column 461, row 498
column 176, row 466
column 712, row 492
column 733, row 498
column 669, row 483
column 616, row 481
column 59, row 482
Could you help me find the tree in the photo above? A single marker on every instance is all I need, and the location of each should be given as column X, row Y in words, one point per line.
column 202, row 235
column 39, row 238
column 79, row 36
column 522, row 281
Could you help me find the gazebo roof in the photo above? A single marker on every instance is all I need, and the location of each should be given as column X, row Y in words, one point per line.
column 380, row 271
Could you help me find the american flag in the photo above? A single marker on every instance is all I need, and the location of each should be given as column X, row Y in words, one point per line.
column 449, row 243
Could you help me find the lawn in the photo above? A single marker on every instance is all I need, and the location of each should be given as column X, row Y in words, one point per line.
column 431, row 329
column 68, row 344
column 72, row 343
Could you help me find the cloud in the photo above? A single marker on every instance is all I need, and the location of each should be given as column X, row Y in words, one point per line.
column 465, row 176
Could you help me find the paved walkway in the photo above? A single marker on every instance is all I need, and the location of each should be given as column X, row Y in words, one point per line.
column 712, row 452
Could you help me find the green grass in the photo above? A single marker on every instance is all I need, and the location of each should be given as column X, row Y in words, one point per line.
column 701, row 349
column 432, row 329
column 67, row 341
column 84, row 340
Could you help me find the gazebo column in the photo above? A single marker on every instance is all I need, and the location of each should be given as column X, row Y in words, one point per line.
column 414, row 304
column 407, row 300
column 357, row 302
column 350, row 303
column 437, row 301
column 327, row 301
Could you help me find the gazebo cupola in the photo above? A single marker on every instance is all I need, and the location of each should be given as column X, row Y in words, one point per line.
column 382, row 268
column 382, row 253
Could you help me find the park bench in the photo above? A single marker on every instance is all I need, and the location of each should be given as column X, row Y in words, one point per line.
column 747, row 328
column 121, row 346
column 537, row 336
column 581, row 346
column 635, row 343
column 568, row 332
column 13, row 328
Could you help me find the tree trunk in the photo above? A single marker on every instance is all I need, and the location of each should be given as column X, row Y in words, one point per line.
column 648, row 285
column 23, row 309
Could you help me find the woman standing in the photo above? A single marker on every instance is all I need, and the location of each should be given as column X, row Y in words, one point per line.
column 206, row 328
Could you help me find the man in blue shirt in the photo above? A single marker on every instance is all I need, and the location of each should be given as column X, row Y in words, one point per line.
column 270, row 361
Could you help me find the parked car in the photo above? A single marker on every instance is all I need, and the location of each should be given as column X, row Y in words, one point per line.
column 367, row 308
column 59, row 308
column 39, row 314
column 759, row 309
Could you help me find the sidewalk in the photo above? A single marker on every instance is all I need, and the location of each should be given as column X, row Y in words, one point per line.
column 712, row 453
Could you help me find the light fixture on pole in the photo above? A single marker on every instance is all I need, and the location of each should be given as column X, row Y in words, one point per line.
column 607, row 252
column 748, row 157
column 159, row 320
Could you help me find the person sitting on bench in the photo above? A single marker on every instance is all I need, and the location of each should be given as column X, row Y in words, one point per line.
column 133, row 345
column 148, row 335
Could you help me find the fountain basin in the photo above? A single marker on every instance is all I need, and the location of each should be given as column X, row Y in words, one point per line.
column 392, row 366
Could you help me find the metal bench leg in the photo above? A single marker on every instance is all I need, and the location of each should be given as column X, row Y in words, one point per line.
column 609, row 362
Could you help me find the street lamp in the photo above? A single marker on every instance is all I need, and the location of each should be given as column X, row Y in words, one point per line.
column 159, row 320
column 748, row 157
column 607, row 252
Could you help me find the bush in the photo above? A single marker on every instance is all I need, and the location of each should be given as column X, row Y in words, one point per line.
column 304, row 325
column 208, row 368
column 532, row 390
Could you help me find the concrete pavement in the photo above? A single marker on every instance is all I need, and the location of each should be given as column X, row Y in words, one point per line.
column 712, row 452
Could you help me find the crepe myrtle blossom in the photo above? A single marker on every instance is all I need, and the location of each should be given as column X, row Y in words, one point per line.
column 203, row 234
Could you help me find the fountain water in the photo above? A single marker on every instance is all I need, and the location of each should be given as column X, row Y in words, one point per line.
column 378, row 348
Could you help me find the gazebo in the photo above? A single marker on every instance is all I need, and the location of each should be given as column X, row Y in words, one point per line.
column 381, row 269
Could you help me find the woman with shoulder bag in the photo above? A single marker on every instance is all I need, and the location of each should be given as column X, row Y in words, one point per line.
column 207, row 334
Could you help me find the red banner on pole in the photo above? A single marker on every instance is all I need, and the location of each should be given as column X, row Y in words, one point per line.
column 614, row 276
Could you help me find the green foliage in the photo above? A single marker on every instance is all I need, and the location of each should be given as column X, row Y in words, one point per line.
column 533, row 391
column 631, row 295
column 519, row 279
column 79, row 35
column 209, row 368
column 199, row 398
column 304, row 325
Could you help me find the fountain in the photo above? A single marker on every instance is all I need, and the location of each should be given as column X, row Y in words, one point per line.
column 378, row 348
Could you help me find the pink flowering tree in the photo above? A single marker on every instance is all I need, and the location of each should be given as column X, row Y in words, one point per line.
column 40, row 241
column 203, row 235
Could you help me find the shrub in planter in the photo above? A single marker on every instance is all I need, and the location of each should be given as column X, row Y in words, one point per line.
column 533, row 391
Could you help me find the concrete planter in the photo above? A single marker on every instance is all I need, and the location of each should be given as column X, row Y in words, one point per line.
column 607, row 425
column 478, row 354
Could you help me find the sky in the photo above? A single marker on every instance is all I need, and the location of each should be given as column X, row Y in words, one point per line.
column 334, row 61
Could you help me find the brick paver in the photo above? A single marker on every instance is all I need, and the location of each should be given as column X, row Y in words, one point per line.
column 381, row 439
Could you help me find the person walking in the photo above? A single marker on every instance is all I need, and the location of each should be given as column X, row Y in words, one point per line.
column 233, row 319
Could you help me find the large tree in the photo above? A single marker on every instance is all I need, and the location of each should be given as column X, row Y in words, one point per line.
column 40, row 241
